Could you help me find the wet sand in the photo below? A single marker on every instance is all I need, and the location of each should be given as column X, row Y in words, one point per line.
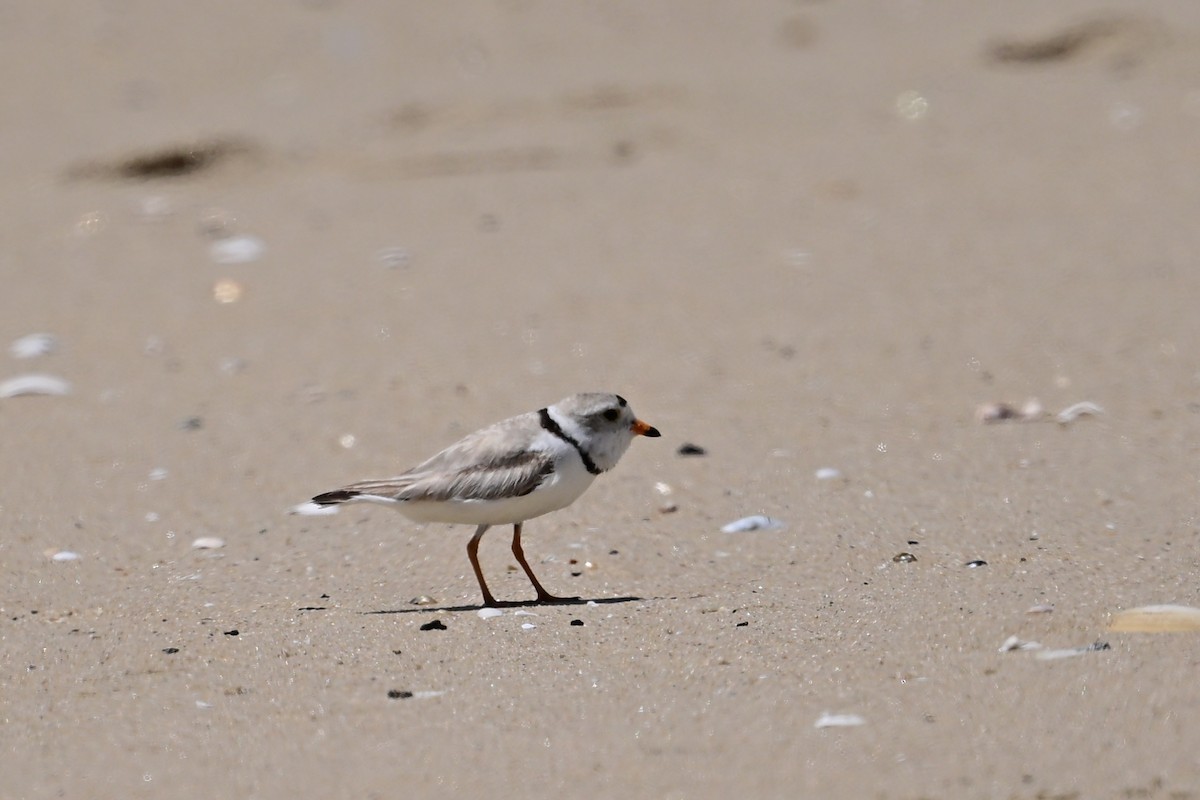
column 801, row 236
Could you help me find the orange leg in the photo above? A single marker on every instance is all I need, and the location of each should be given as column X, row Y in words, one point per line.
column 542, row 595
column 473, row 554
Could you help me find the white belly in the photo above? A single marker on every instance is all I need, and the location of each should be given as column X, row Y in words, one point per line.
column 564, row 487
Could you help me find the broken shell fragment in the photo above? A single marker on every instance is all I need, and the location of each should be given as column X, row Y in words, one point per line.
column 1157, row 619
column 208, row 543
column 1072, row 413
column 33, row 345
column 1015, row 643
column 757, row 522
column 34, row 384
column 827, row 720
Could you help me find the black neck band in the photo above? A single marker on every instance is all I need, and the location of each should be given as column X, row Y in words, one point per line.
column 549, row 424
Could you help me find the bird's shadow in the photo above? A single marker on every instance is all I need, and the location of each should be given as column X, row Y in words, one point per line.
column 600, row 601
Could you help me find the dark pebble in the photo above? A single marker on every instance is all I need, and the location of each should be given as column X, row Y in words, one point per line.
column 436, row 625
column 170, row 650
column 577, row 622
column 233, row 632
column 689, row 449
column 398, row 694
column 742, row 625
column 191, row 424
column 976, row 563
column 904, row 558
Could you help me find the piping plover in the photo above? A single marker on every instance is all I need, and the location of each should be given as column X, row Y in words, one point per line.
column 510, row 472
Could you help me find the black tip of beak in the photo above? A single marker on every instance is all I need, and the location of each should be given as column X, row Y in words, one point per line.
column 652, row 433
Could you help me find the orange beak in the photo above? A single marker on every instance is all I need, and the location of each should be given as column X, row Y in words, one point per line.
column 643, row 429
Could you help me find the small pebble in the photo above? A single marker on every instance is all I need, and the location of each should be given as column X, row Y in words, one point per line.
column 904, row 558
column 422, row 600
column 191, row 424
column 975, row 564
column 689, row 449
column 34, row 345
column 399, row 694
column 227, row 291
column 170, row 650
column 208, row 543
column 758, row 522
column 237, row 250
column 1040, row 608
column 577, row 622
column 436, row 625
column 64, row 555
column 828, row 473
column 34, row 385
column 489, row 613
column 200, row 704
column 527, row 626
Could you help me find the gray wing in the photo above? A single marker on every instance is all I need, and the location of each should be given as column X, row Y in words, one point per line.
column 489, row 464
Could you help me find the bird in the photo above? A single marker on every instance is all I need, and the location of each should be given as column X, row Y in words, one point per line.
column 509, row 473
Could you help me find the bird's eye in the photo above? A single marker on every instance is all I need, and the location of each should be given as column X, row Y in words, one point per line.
column 612, row 414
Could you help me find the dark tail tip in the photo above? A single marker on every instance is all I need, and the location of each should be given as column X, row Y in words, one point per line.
column 333, row 498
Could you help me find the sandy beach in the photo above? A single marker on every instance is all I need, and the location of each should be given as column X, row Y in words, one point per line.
column 286, row 246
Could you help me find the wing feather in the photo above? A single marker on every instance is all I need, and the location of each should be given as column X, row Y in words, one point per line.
column 490, row 464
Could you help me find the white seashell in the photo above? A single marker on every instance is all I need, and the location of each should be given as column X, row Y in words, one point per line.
column 203, row 706
column 827, row 720
column 1040, row 608
column 311, row 509
column 1072, row 413
column 34, row 345
column 757, row 522
column 828, row 473
column 158, row 474
column 237, row 250
column 527, row 626
column 489, row 613
column 427, row 694
column 65, row 555
column 524, row 613
column 1157, row 619
column 208, row 543
column 34, row 384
